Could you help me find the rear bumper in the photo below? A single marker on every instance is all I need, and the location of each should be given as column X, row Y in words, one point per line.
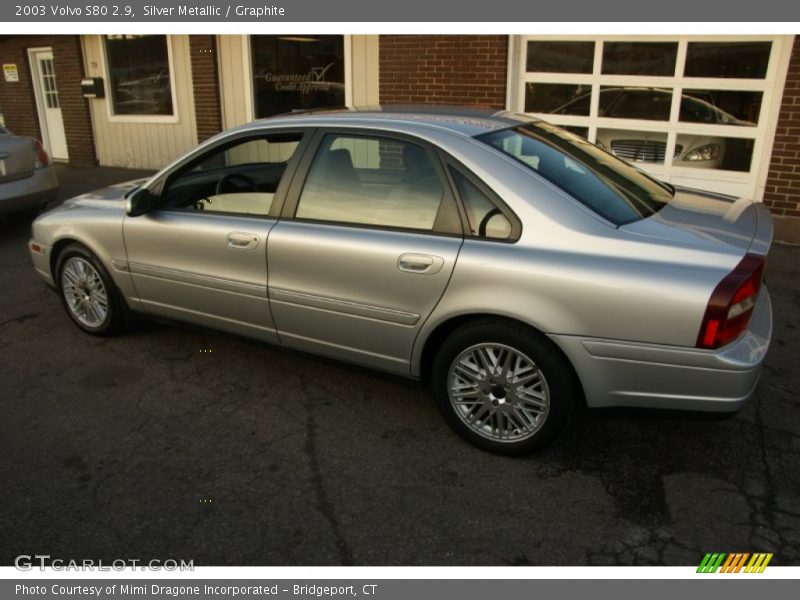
column 618, row 373
column 31, row 192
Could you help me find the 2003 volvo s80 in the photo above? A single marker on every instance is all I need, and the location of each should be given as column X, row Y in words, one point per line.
column 517, row 268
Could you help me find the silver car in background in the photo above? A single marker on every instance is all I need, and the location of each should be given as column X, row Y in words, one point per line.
column 27, row 179
column 517, row 268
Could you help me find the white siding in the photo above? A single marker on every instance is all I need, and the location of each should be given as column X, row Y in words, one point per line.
column 364, row 70
column 143, row 142
column 234, row 80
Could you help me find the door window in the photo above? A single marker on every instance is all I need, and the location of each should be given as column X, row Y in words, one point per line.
column 241, row 178
column 372, row 181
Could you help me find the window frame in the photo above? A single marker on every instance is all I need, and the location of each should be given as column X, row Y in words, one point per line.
column 454, row 229
column 736, row 183
column 128, row 118
column 516, row 224
column 223, row 143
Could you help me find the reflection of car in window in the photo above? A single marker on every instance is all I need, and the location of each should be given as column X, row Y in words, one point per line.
column 653, row 104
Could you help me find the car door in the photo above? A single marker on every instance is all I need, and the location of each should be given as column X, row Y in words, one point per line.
column 365, row 249
column 200, row 255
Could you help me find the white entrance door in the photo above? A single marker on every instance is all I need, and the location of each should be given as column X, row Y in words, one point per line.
column 48, row 103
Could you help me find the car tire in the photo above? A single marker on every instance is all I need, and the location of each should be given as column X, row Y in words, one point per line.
column 512, row 407
column 88, row 293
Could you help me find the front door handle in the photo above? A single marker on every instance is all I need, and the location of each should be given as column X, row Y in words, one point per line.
column 241, row 240
column 422, row 264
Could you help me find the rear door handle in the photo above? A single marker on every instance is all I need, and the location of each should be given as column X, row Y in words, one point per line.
column 241, row 240
column 422, row 264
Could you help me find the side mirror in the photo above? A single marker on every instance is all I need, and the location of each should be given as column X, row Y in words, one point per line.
column 139, row 203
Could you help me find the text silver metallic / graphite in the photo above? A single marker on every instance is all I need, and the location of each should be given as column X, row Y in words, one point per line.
column 210, row 10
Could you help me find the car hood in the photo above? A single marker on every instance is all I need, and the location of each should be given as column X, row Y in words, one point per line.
column 709, row 221
column 111, row 194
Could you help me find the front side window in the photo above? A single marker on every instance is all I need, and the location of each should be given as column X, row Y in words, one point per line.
column 610, row 187
column 139, row 75
column 372, row 181
column 241, row 178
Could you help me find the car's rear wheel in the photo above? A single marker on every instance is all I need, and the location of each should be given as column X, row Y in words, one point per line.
column 88, row 293
column 504, row 387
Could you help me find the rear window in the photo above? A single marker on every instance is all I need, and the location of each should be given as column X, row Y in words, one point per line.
column 613, row 189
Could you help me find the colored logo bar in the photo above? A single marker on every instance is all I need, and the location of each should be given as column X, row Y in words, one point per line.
column 734, row 562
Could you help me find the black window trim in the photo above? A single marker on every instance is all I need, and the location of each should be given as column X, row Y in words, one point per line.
column 300, row 176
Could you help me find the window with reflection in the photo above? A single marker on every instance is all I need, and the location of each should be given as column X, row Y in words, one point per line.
column 558, row 98
column 372, row 181
column 721, row 107
column 238, row 178
column 297, row 72
column 485, row 219
column 713, row 152
column 651, row 104
column 731, row 60
column 139, row 74
column 560, row 57
column 640, row 58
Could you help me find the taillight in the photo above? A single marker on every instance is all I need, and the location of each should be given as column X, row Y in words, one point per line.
column 731, row 305
column 40, row 158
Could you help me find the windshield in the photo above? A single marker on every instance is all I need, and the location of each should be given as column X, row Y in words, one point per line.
column 614, row 189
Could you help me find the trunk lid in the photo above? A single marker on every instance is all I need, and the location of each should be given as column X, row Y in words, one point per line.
column 710, row 222
column 16, row 158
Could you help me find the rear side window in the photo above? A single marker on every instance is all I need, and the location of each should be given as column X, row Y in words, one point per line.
column 486, row 220
column 610, row 187
column 372, row 181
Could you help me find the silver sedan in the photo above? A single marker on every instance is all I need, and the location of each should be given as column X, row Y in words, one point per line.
column 516, row 268
column 27, row 179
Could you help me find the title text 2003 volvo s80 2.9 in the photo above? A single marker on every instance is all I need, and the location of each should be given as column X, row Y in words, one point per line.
column 515, row 267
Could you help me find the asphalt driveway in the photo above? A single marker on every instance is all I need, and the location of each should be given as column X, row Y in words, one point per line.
column 176, row 442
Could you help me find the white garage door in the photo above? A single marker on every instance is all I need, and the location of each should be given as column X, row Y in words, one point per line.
column 694, row 111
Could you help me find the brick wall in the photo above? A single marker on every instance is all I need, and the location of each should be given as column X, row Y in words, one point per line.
column 68, row 63
column 465, row 70
column 205, row 80
column 17, row 100
column 782, row 193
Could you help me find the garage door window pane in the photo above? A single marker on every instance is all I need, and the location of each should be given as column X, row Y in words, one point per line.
column 713, row 152
column 721, row 107
column 372, row 181
column 139, row 76
column 558, row 98
column 634, row 146
column 651, row 104
column 741, row 60
column 640, row 58
column 560, row 57
column 297, row 72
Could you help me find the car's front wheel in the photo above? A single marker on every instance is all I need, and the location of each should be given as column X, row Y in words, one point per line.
column 87, row 292
column 503, row 387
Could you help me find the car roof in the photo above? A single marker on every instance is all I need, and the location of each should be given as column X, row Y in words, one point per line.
column 464, row 121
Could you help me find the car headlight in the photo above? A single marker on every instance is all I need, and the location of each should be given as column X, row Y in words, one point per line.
column 707, row 152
